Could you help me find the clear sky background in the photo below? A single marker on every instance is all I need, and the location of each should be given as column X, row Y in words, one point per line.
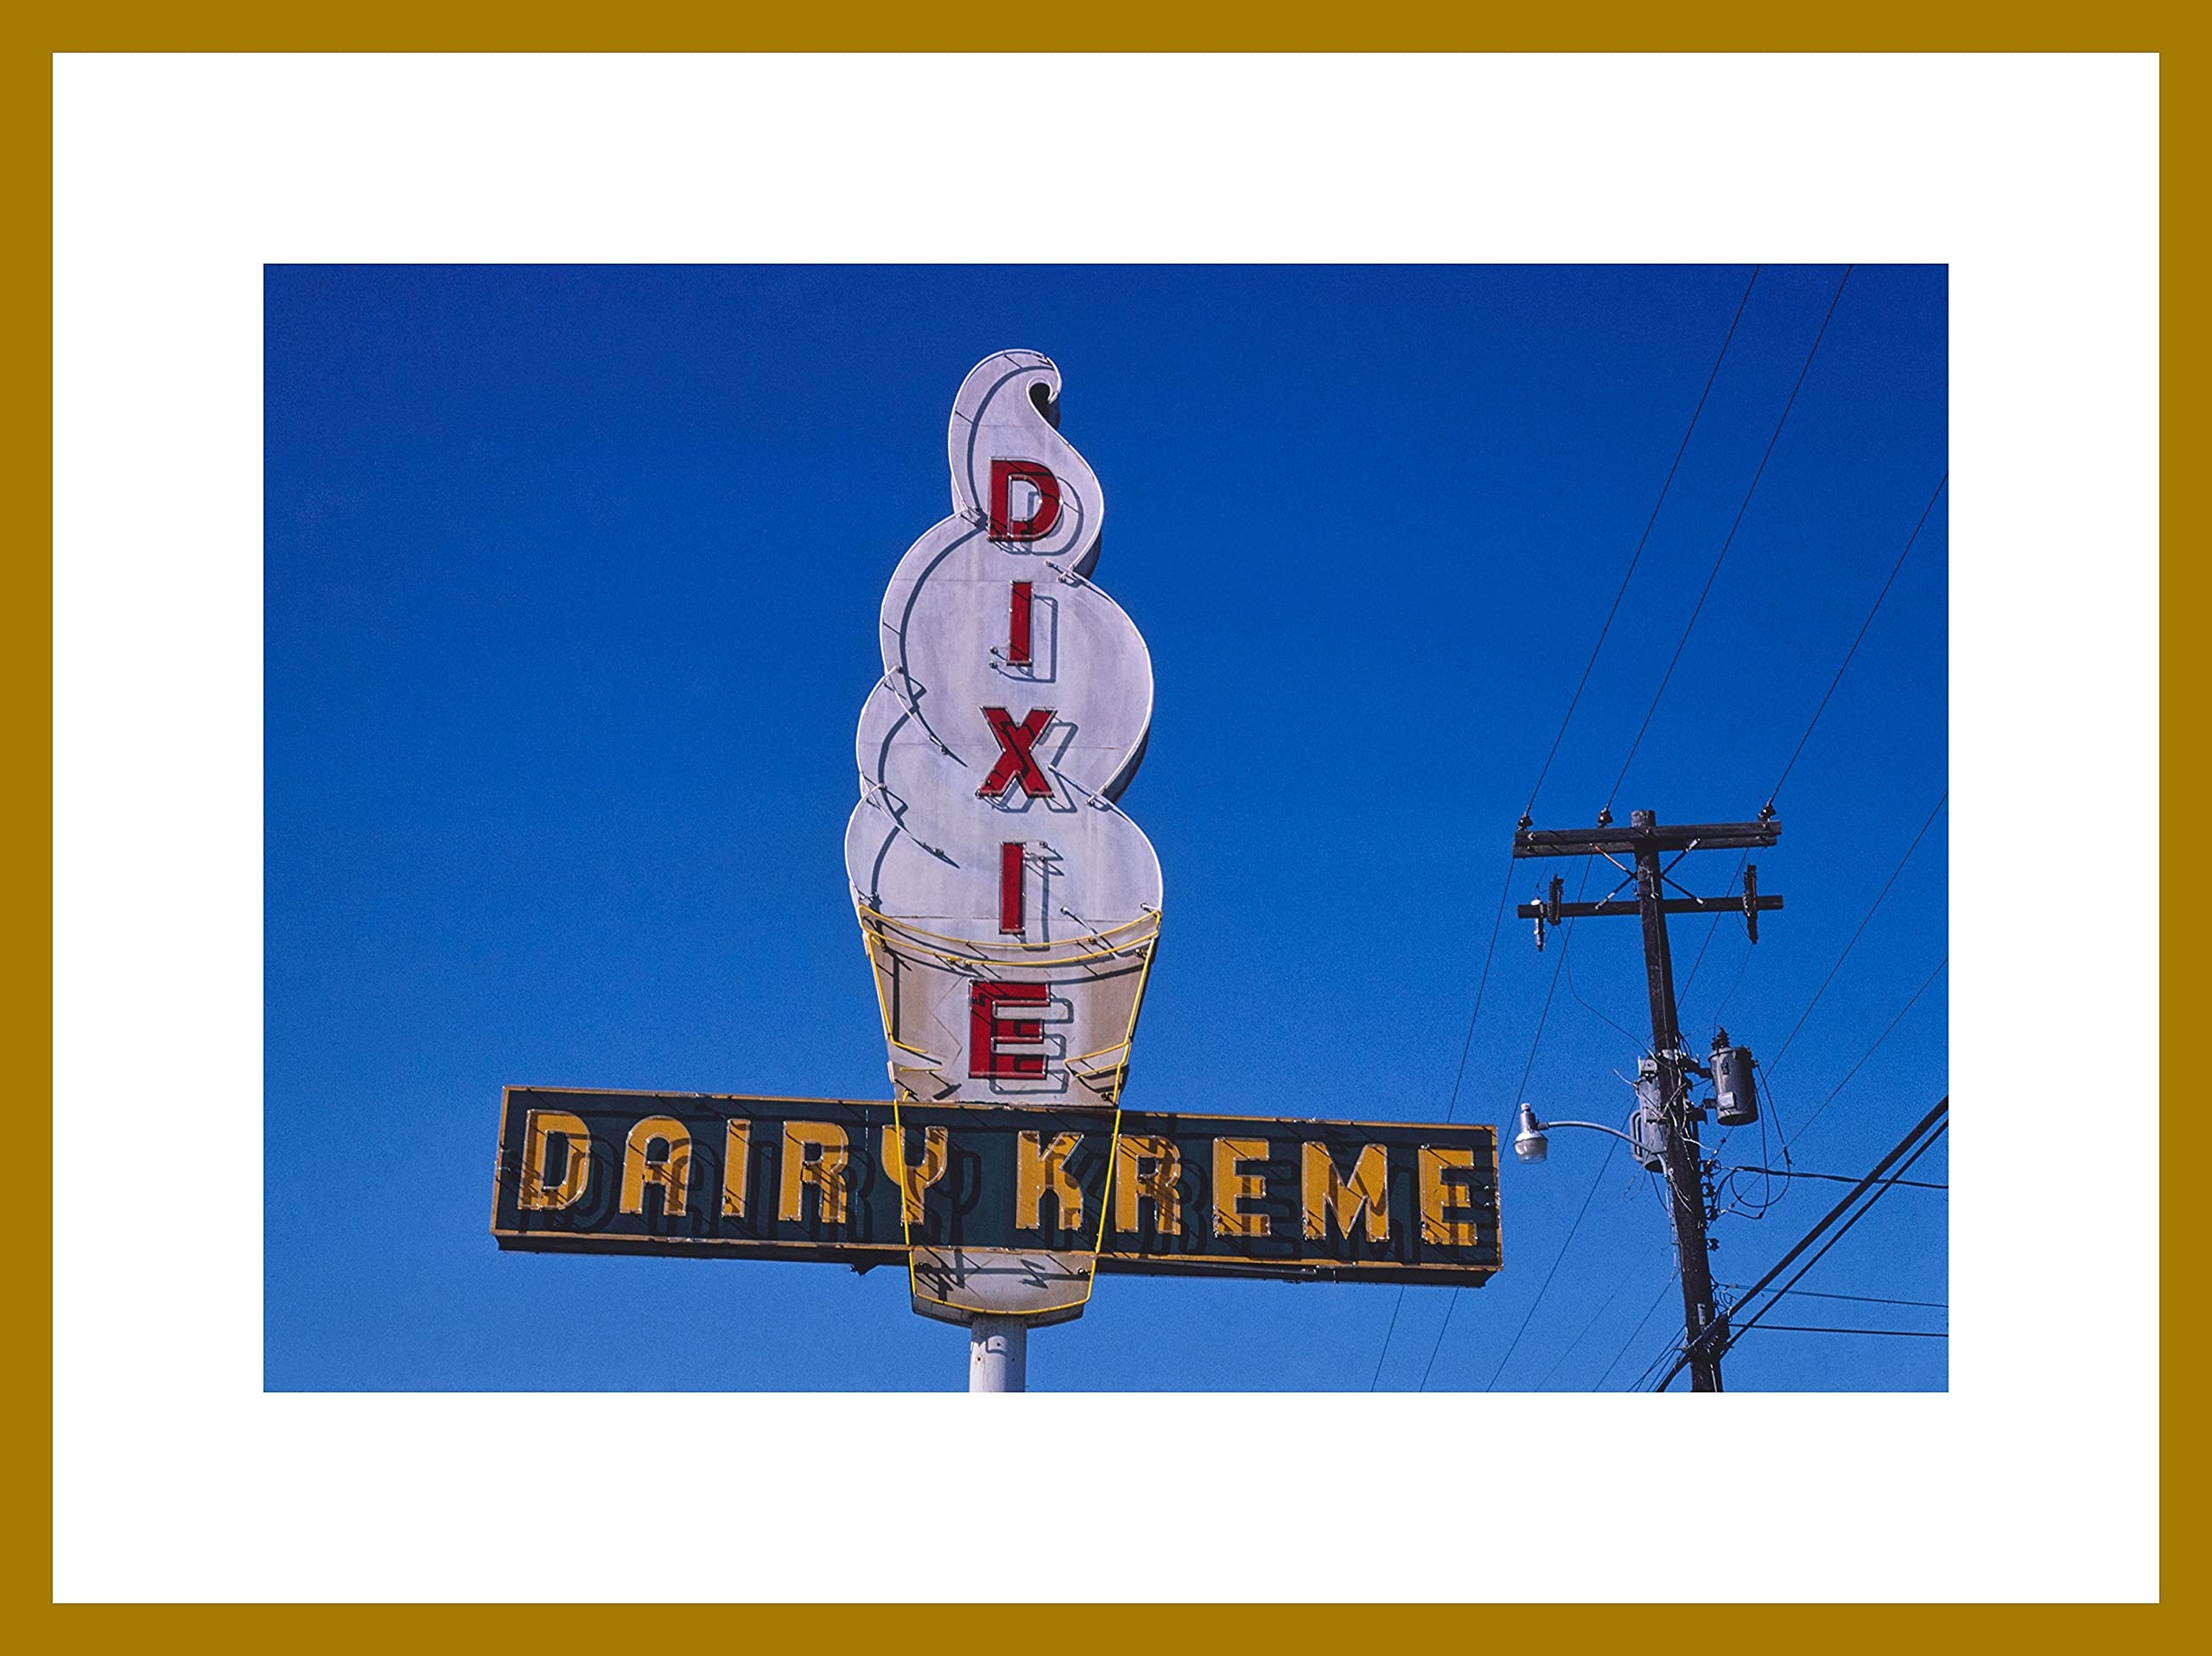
column 571, row 583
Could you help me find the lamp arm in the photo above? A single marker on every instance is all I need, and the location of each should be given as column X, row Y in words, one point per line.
column 1545, row 1127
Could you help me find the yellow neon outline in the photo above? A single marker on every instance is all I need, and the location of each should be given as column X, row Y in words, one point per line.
column 991, row 1104
column 1121, row 952
column 1117, row 952
column 1106, row 1189
column 883, row 1007
column 1142, row 950
column 1001, row 943
column 905, row 1244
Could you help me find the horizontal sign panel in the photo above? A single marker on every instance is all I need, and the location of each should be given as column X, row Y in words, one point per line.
column 827, row 1180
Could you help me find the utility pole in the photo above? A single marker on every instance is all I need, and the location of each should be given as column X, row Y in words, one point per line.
column 1681, row 1157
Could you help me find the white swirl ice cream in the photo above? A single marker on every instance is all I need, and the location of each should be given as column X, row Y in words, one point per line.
column 1010, row 908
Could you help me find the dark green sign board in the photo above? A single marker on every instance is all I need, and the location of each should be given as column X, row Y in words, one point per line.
column 859, row 1183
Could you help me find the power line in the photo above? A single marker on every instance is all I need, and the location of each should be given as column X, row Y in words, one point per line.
column 1399, row 1303
column 1622, row 591
column 1567, row 941
column 1860, row 1299
column 1807, row 1123
column 1711, row 575
column 1864, row 921
column 1740, row 971
column 1396, row 1306
column 1715, row 924
column 1466, row 1045
column 1672, row 1346
column 1574, row 701
column 1567, row 964
column 1775, row 1298
column 1649, row 1312
column 1916, row 1134
column 1736, row 1330
column 1922, row 1126
column 1611, row 1144
column 1832, row 1178
column 1776, row 791
column 1894, row 1334
column 1568, row 1350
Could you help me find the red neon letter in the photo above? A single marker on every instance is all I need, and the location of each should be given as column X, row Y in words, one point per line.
column 1038, row 524
column 988, row 1031
column 1010, row 886
column 1017, row 632
column 1016, row 762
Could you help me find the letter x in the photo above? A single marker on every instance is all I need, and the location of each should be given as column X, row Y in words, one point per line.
column 1016, row 762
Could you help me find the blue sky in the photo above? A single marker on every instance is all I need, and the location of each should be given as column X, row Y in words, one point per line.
column 571, row 588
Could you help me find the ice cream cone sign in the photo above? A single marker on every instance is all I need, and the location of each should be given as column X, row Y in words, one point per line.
column 1010, row 908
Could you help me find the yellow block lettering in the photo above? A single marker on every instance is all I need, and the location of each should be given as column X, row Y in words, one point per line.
column 1039, row 1167
column 737, row 1161
column 538, row 1134
column 1232, row 1184
column 1363, row 1199
column 1445, row 1173
column 815, row 1153
column 1133, row 1184
column 671, row 1172
column 916, row 1177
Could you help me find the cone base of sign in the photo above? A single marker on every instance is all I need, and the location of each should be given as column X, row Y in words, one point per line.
column 958, row 1284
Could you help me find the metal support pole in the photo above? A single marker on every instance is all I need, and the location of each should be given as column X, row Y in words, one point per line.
column 998, row 1354
column 1680, row 1148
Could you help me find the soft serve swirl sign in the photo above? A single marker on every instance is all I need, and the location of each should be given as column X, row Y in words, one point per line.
column 1009, row 906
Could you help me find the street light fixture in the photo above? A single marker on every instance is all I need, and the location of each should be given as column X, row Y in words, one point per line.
column 1532, row 1144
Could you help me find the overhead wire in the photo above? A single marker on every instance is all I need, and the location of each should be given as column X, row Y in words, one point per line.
column 1454, row 1105
column 1774, row 793
column 1864, row 921
column 1621, row 591
column 1673, row 1347
column 1850, row 652
column 1566, row 939
column 1711, row 575
column 1832, row 1178
column 1649, row 1311
column 1715, row 924
column 1801, row 1327
column 1551, row 754
column 1721, row 1006
column 1633, row 1039
column 1569, row 1348
column 1744, row 1298
column 1611, row 1144
column 1736, row 1330
column 1806, row 1125
column 1861, row 1299
column 1923, row 1133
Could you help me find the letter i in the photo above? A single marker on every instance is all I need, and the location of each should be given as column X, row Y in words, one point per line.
column 1017, row 632
column 1010, row 892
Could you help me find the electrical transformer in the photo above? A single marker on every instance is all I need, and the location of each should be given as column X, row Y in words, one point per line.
column 1647, row 1128
column 1735, row 1093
